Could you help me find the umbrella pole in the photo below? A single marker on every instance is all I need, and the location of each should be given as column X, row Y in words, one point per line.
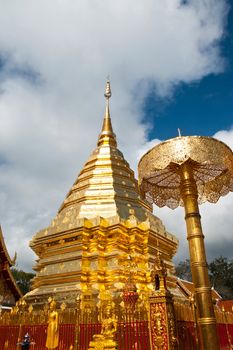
column 195, row 237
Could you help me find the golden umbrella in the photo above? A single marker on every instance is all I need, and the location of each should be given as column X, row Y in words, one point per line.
column 187, row 171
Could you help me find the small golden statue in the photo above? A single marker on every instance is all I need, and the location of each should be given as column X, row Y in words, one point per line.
column 105, row 340
column 52, row 331
column 109, row 325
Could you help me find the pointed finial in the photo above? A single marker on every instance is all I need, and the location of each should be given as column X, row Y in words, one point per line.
column 107, row 135
column 14, row 259
column 108, row 92
column 179, row 133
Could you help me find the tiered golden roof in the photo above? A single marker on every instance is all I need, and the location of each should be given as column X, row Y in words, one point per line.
column 106, row 186
column 102, row 220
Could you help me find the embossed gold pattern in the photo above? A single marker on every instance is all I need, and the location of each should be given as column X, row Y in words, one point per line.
column 212, row 164
column 161, row 310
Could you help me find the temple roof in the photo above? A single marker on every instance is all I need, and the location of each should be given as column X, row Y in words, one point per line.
column 106, row 186
column 188, row 289
column 5, row 263
column 102, row 218
column 4, row 255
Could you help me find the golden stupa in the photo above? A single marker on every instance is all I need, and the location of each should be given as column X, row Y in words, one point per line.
column 104, row 275
column 103, row 232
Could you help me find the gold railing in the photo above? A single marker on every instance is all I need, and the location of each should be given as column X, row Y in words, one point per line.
column 186, row 312
column 23, row 313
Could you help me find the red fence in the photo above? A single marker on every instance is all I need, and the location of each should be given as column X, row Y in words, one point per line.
column 130, row 336
column 9, row 337
column 225, row 332
column 187, row 335
column 133, row 336
column 86, row 334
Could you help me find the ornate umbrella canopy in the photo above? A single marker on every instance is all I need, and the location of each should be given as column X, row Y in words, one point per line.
column 211, row 162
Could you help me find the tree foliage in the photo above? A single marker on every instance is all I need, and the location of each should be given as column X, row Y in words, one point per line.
column 220, row 273
column 23, row 279
column 183, row 270
column 221, row 276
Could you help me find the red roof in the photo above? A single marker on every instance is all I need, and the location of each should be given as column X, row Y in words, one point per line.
column 4, row 255
column 5, row 263
column 188, row 289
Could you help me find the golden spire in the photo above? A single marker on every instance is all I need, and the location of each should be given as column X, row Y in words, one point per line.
column 107, row 135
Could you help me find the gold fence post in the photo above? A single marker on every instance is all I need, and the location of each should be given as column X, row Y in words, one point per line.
column 21, row 316
column 194, row 310
column 77, row 323
column 162, row 325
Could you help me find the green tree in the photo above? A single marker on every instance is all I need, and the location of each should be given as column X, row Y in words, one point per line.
column 221, row 276
column 220, row 273
column 23, row 279
column 183, row 270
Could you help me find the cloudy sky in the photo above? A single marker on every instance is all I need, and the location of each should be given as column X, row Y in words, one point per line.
column 170, row 66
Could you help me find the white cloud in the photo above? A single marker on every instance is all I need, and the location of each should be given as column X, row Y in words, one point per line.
column 57, row 55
